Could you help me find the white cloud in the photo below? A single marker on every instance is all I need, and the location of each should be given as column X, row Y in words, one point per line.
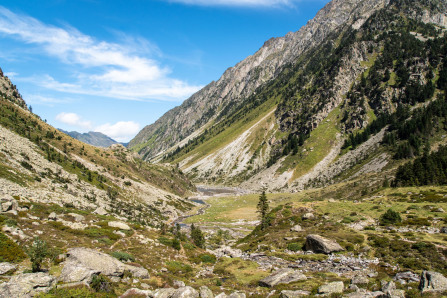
column 121, row 131
column 74, row 120
column 109, row 69
column 251, row 3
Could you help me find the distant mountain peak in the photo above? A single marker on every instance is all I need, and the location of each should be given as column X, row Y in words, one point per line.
column 93, row 138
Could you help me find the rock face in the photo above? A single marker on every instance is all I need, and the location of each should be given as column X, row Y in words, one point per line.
column 26, row 285
column 320, row 244
column 333, row 287
column 282, row 276
column 432, row 281
column 241, row 81
column 82, row 263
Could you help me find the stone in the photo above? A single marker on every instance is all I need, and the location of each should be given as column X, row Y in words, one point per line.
column 432, row 281
column 333, row 287
column 237, row 295
column 221, row 295
column 52, row 216
column 119, row 225
column 440, row 210
column 8, row 203
column 443, row 230
column 387, row 286
column 14, row 231
column 185, row 292
column 164, row 293
column 82, row 263
column 178, row 284
column 282, row 276
column 308, row 215
column 6, row 267
column 320, row 244
column 294, row 294
column 359, row 280
column 76, row 217
column 296, row 228
column 205, row 292
column 407, row 276
column 100, row 211
column 27, row 285
column 136, row 292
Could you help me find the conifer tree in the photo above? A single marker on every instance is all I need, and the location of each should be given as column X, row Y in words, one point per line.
column 263, row 209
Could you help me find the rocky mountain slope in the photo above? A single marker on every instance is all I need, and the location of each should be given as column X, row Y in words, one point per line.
column 41, row 164
column 374, row 59
column 92, row 138
column 239, row 82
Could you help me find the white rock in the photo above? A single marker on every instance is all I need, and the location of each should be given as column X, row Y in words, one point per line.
column 119, row 225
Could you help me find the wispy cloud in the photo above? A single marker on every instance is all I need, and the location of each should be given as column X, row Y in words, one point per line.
column 74, row 119
column 247, row 3
column 108, row 69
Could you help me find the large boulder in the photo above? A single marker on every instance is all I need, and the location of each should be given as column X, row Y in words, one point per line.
column 330, row 288
column 237, row 295
column 185, row 292
column 6, row 267
column 26, row 285
column 320, row 244
column 432, row 281
column 134, row 292
column 282, row 276
column 82, row 263
column 119, row 225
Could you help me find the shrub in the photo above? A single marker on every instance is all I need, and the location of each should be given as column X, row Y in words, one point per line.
column 206, row 258
column 37, row 253
column 390, row 217
column 100, row 284
column 9, row 250
column 123, row 256
column 294, row 246
column 176, row 244
column 177, row 267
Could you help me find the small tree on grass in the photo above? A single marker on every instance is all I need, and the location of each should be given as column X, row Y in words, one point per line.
column 390, row 217
column 37, row 253
column 197, row 236
column 263, row 209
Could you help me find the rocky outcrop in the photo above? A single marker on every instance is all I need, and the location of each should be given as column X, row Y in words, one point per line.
column 320, row 244
column 26, row 285
column 82, row 263
column 330, row 288
column 282, row 276
column 205, row 292
column 6, row 267
column 432, row 281
column 8, row 204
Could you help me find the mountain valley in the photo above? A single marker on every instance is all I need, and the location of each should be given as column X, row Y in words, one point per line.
column 316, row 167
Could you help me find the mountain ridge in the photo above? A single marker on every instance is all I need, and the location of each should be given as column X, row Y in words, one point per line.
column 93, row 138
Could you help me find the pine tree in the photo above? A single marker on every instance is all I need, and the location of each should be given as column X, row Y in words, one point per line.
column 263, row 209
column 197, row 236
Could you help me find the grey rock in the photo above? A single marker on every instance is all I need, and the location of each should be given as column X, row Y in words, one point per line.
column 359, row 279
column 308, row 215
column 387, row 286
column 294, row 294
column 100, row 211
column 82, row 263
column 134, row 292
column 237, row 295
column 432, row 281
column 282, row 276
column 205, row 292
column 185, row 292
column 26, row 285
column 221, row 295
column 333, row 287
column 362, row 293
column 178, row 284
column 164, row 293
column 320, row 244
column 77, row 217
column 119, row 225
column 296, row 228
column 443, row 230
column 52, row 216
column 8, row 203
column 407, row 276
column 6, row 267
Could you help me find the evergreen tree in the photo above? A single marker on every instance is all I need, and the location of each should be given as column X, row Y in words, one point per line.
column 263, row 209
column 197, row 236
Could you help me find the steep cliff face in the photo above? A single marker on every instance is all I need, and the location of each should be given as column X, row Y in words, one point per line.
column 240, row 81
column 9, row 91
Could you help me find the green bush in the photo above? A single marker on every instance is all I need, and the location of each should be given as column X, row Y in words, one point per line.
column 123, row 256
column 165, row 241
column 294, row 246
column 390, row 217
column 176, row 244
column 177, row 267
column 10, row 251
column 100, row 283
column 206, row 258
column 37, row 253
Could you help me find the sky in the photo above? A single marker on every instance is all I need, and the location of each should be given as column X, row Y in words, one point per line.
column 116, row 66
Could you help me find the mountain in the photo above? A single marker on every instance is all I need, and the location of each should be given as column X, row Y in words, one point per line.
column 92, row 138
column 41, row 165
column 280, row 118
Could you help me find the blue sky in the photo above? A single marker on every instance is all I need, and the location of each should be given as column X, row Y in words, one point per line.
column 115, row 66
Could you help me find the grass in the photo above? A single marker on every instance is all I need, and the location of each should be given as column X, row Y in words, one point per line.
column 242, row 271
